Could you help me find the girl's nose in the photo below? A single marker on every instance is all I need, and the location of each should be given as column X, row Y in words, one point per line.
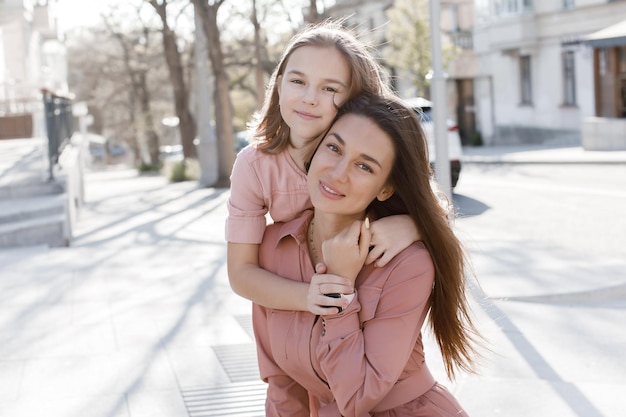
column 310, row 97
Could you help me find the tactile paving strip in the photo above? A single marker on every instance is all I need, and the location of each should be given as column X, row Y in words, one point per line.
column 245, row 321
column 244, row 399
column 239, row 361
column 244, row 396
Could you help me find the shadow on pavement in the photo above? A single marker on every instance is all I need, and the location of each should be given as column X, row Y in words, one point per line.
column 467, row 206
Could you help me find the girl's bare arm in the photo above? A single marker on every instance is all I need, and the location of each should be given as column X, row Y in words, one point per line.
column 265, row 288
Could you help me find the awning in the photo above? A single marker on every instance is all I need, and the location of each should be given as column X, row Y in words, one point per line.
column 607, row 38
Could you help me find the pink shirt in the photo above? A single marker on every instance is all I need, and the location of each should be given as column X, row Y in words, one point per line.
column 262, row 183
column 365, row 360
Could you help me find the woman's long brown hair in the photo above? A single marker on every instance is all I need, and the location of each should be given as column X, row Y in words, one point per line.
column 449, row 316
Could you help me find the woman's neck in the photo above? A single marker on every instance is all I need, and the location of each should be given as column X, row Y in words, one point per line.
column 328, row 225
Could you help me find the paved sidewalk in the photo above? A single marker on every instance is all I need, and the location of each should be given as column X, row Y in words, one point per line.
column 137, row 319
column 541, row 154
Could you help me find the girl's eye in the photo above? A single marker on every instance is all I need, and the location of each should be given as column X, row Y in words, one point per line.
column 330, row 89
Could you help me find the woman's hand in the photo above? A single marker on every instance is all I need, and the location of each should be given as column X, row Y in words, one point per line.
column 345, row 253
column 323, row 283
column 390, row 236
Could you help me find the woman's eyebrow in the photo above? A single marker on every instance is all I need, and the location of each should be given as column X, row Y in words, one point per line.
column 342, row 142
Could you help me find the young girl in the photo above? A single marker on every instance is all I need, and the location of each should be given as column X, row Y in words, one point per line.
column 321, row 68
column 369, row 359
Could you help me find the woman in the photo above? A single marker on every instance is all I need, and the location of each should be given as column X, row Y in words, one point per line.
column 368, row 359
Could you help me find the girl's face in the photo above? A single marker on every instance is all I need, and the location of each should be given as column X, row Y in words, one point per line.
column 351, row 167
column 315, row 81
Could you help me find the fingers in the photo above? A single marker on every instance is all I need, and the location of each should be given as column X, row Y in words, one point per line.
column 384, row 260
column 325, row 305
column 320, row 304
column 331, row 288
column 366, row 236
column 320, row 268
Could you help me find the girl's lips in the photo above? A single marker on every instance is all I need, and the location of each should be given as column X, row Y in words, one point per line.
column 330, row 192
column 306, row 115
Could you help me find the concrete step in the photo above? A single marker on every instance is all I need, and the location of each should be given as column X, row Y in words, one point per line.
column 20, row 209
column 30, row 188
column 44, row 230
column 30, row 221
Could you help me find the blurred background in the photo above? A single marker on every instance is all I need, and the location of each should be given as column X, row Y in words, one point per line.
column 119, row 124
column 153, row 79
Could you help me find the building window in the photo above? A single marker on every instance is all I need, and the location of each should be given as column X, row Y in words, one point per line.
column 526, row 90
column 569, row 79
column 507, row 7
column 568, row 4
column 528, row 5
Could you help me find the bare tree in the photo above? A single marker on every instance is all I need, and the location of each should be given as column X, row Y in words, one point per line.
column 187, row 124
column 134, row 50
column 207, row 10
column 258, row 65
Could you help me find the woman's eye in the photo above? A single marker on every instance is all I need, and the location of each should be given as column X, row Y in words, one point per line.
column 365, row 167
column 297, row 81
column 332, row 147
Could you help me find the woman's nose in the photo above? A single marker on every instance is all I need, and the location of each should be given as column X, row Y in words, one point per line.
column 340, row 171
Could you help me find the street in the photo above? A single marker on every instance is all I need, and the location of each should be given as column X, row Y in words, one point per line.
column 576, row 207
column 548, row 248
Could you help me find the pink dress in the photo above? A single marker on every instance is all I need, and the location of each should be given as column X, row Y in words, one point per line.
column 367, row 360
column 262, row 183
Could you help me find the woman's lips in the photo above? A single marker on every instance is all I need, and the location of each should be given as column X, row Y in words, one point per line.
column 329, row 191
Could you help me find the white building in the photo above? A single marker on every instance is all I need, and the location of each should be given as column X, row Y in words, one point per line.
column 32, row 58
column 536, row 80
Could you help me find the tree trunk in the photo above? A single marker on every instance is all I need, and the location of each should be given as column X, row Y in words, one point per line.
column 152, row 139
column 139, row 89
column 314, row 16
column 223, row 105
column 186, row 122
column 258, row 68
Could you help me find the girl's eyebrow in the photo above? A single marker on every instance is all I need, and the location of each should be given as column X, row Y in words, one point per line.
column 362, row 155
column 328, row 80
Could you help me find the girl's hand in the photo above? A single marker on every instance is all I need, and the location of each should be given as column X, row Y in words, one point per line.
column 390, row 236
column 322, row 283
column 345, row 253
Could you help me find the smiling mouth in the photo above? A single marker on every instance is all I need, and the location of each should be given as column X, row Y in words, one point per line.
column 330, row 190
column 306, row 115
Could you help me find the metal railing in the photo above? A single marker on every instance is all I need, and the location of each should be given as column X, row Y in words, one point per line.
column 59, row 126
column 462, row 39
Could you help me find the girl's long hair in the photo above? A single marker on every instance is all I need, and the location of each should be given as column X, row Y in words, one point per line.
column 411, row 176
column 270, row 131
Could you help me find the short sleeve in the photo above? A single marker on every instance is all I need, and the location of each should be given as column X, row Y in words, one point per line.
column 246, row 205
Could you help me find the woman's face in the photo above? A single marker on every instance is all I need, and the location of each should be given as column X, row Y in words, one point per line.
column 316, row 80
column 351, row 167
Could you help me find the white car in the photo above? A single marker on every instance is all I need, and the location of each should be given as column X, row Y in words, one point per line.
column 424, row 108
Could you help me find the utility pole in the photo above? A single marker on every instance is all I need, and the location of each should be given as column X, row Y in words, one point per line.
column 438, row 88
column 206, row 140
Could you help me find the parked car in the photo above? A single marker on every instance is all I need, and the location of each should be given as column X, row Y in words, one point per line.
column 171, row 152
column 455, row 151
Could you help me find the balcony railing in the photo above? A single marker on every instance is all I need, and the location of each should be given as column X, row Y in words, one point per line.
column 462, row 39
